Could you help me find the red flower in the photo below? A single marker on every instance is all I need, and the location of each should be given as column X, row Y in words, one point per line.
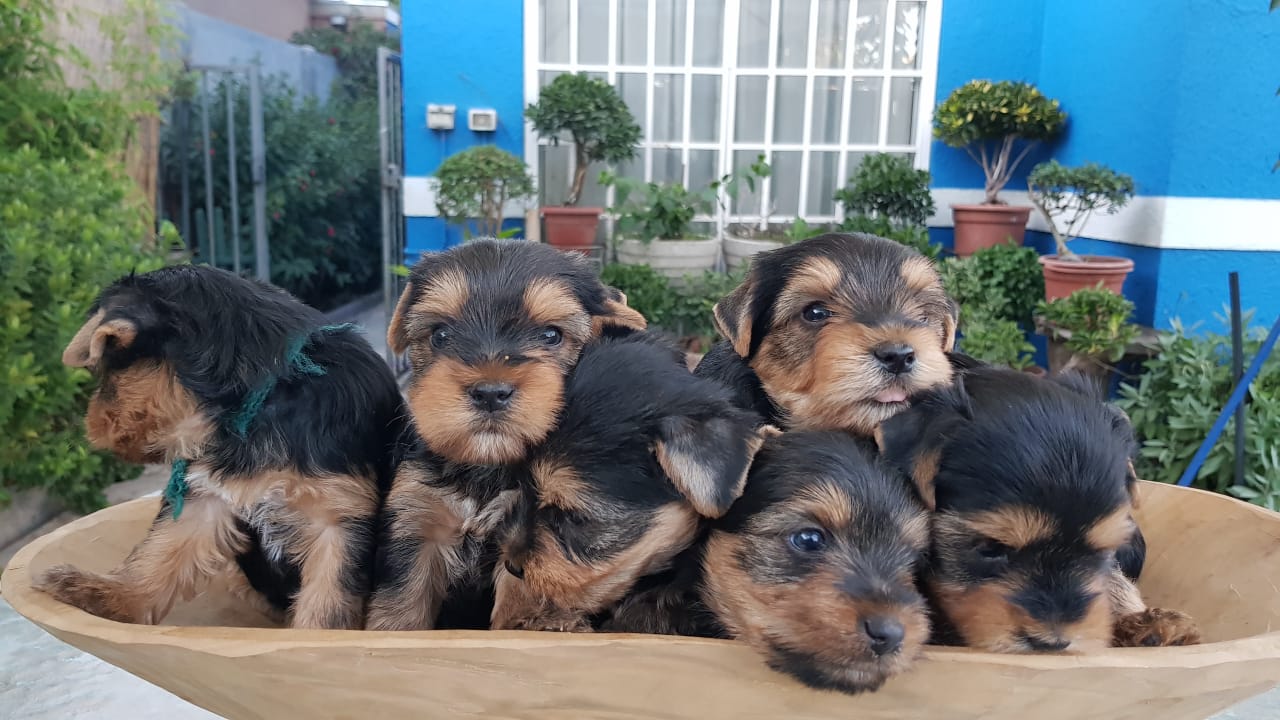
column 313, row 173
column 302, row 186
column 332, row 232
column 212, row 152
column 332, row 121
column 275, row 216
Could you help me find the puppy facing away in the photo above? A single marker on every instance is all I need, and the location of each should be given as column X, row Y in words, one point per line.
column 834, row 333
column 277, row 429
column 492, row 329
column 644, row 451
column 814, row 566
column 1031, row 491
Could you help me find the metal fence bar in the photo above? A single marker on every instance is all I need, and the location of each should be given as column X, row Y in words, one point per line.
column 384, row 153
column 1237, row 371
column 233, row 181
column 184, row 167
column 258, row 163
column 206, row 149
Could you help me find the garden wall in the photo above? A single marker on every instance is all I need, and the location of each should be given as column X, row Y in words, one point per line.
column 1179, row 95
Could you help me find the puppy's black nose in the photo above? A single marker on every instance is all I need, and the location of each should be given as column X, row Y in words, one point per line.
column 897, row 359
column 491, row 397
column 1042, row 645
column 885, row 634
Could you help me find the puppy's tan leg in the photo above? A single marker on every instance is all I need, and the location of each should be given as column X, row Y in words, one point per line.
column 336, row 549
column 517, row 607
column 1137, row 625
column 174, row 561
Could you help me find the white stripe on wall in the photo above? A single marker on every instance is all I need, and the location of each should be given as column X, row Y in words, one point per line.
column 420, row 199
column 1182, row 223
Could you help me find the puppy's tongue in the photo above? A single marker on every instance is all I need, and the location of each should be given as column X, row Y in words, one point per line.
column 892, row 396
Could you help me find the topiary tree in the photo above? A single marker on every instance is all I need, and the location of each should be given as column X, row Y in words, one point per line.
column 478, row 182
column 594, row 117
column 992, row 120
column 1068, row 196
column 888, row 187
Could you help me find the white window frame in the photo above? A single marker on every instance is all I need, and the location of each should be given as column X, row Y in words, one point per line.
column 729, row 73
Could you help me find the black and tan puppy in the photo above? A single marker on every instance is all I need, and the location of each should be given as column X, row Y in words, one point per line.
column 815, row 565
column 492, row 330
column 643, row 453
column 834, row 333
column 1032, row 494
column 278, row 431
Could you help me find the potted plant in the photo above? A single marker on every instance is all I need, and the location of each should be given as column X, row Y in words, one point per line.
column 600, row 126
column 655, row 222
column 996, row 341
column 1089, row 328
column 890, row 198
column 997, row 289
column 997, row 124
column 476, row 185
column 743, row 240
column 1067, row 197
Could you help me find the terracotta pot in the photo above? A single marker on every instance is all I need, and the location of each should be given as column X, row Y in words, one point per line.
column 571, row 228
column 1063, row 277
column 672, row 258
column 982, row 226
column 738, row 250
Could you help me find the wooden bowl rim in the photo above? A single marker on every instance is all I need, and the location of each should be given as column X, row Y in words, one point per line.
column 15, row 585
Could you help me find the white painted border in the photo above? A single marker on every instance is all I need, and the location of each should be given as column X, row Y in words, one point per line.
column 1176, row 223
column 420, row 199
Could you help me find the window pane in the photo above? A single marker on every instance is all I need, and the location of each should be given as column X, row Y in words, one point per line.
column 555, row 31
column 908, row 31
column 667, row 166
column 902, row 110
column 631, row 86
column 868, row 49
column 708, row 32
column 546, row 76
column 668, row 108
column 704, row 116
column 753, row 34
column 864, row 113
column 828, row 102
column 668, row 32
column 852, row 161
column 793, row 36
column 833, row 26
column 703, row 168
column 788, row 110
column 749, row 109
column 593, row 33
column 593, row 195
column 822, row 183
column 748, row 202
column 633, row 28
column 786, row 184
column 553, row 173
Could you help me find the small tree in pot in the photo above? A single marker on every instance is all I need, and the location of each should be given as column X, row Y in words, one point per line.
column 477, row 183
column 600, row 126
column 1067, row 197
column 655, row 222
column 997, row 124
column 1089, row 328
column 890, row 198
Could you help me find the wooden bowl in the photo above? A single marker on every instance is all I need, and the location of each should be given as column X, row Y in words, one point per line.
column 1209, row 555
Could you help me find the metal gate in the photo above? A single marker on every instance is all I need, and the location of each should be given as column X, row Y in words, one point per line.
column 391, row 149
column 213, row 231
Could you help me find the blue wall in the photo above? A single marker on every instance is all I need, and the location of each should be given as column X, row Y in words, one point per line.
column 1179, row 95
column 466, row 54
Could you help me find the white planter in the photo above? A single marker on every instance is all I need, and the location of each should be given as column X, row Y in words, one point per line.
column 737, row 250
column 672, row 258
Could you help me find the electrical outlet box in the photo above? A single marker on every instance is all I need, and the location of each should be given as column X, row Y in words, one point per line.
column 440, row 117
column 482, row 120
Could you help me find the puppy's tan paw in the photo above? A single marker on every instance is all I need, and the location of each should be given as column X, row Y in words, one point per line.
column 93, row 593
column 1156, row 627
column 555, row 622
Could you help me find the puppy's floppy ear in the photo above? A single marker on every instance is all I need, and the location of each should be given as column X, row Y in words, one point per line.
column 95, row 336
column 733, row 314
column 912, row 441
column 397, row 337
column 950, row 322
column 708, row 459
column 617, row 315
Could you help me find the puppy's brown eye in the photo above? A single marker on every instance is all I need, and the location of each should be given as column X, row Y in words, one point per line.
column 808, row 540
column 815, row 313
column 440, row 336
column 551, row 336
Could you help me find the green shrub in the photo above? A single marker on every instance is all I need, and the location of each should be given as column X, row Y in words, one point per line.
column 1097, row 319
column 1176, row 400
column 67, row 228
column 915, row 237
column 656, row 211
column 356, row 52
column 684, row 309
column 476, row 184
column 648, row 291
column 1068, row 196
column 1004, row 280
column 888, row 187
column 995, row 340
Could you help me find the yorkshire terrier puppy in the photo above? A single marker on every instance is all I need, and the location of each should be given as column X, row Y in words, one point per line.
column 834, row 333
column 277, row 430
column 1031, row 490
column 643, row 453
column 492, row 329
column 814, row 565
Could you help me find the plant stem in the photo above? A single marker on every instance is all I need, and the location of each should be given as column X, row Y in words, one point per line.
column 579, row 174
